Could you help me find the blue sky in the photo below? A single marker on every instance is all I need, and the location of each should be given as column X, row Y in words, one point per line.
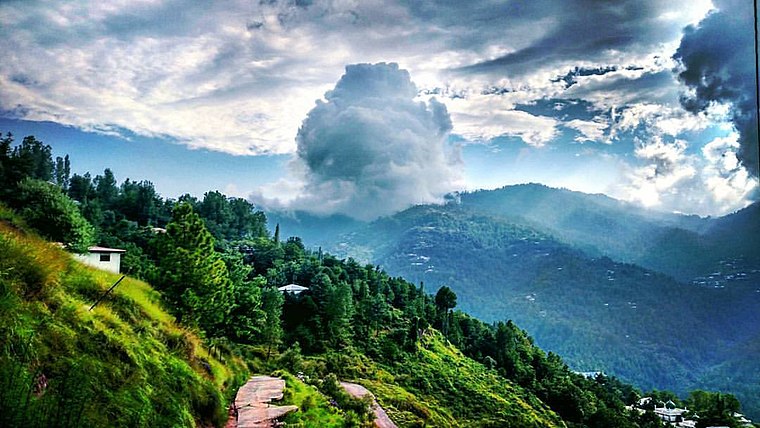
column 650, row 101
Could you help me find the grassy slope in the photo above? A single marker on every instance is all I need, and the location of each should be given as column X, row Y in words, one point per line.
column 126, row 363
column 438, row 386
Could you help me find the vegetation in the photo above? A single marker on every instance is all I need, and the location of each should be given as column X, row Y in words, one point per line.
column 217, row 273
column 600, row 315
column 125, row 363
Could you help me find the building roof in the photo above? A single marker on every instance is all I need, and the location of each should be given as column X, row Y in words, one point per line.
column 105, row 250
column 669, row 412
column 293, row 288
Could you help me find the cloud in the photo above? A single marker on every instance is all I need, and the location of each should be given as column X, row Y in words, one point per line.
column 584, row 33
column 239, row 76
column 726, row 180
column 370, row 149
column 590, row 130
column 662, row 120
column 667, row 176
column 716, row 58
column 482, row 117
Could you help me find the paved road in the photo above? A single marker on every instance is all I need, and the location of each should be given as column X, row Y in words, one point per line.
column 381, row 418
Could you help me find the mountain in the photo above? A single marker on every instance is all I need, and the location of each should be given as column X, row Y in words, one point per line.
column 312, row 228
column 661, row 300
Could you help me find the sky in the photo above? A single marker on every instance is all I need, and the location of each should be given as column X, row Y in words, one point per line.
column 365, row 108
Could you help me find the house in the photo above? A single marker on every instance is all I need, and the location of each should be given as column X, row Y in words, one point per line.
column 669, row 415
column 293, row 288
column 102, row 258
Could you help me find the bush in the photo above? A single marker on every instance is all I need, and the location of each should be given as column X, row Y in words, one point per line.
column 54, row 215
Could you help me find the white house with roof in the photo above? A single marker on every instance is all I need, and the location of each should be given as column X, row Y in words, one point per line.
column 104, row 258
column 669, row 412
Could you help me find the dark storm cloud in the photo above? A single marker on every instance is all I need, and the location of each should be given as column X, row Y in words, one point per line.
column 571, row 78
column 371, row 150
column 585, row 30
column 718, row 64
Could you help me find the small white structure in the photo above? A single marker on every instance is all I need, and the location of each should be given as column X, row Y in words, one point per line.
column 292, row 288
column 102, row 258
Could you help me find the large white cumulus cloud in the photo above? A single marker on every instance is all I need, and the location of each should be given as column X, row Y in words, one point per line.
column 371, row 149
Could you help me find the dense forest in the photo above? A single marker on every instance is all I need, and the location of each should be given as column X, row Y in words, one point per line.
column 660, row 300
column 217, row 270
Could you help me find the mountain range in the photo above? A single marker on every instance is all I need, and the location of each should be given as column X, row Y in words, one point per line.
column 661, row 300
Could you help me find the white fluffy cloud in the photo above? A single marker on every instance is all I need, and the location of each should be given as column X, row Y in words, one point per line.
column 481, row 117
column 590, row 130
column 371, row 149
column 708, row 183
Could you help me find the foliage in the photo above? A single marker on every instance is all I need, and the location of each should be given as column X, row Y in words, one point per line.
column 271, row 305
column 313, row 407
column 193, row 277
column 599, row 314
column 126, row 363
column 218, row 271
column 53, row 214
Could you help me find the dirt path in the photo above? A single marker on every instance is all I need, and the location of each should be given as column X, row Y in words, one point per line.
column 253, row 403
column 381, row 418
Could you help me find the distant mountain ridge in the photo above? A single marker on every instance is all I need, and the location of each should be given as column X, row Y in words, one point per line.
column 662, row 300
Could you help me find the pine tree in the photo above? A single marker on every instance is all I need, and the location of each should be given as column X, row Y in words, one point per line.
column 271, row 304
column 192, row 275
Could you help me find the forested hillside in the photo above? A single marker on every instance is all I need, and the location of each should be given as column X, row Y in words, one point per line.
column 552, row 260
column 172, row 356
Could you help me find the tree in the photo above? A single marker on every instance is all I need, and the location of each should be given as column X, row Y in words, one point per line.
column 81, row 188
column 246, row 317
column 62, row 172
column 714, row 408
column 5, row 164
column 105, row 188
column 445, row 299
column 337, row 313
column 216, row 211
column 54, row 215
column 32, row 159
column 192, row 275
column 271, row 304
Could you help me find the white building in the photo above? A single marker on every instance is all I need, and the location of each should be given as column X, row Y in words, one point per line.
column 292, row 288
column 102, row 258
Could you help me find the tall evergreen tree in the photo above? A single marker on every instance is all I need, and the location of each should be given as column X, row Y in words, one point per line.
column 271, row 304
column 191, row 273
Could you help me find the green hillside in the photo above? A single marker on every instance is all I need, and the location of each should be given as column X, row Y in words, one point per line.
column 128, row 363
column 125, row 363
column 600, row 315
column 171, row 354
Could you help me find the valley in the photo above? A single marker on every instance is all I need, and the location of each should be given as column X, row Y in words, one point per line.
column 661, row 300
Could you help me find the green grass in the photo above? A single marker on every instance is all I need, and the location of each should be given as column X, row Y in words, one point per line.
column 314, row 409
column 125, row 363
column 436, row 385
